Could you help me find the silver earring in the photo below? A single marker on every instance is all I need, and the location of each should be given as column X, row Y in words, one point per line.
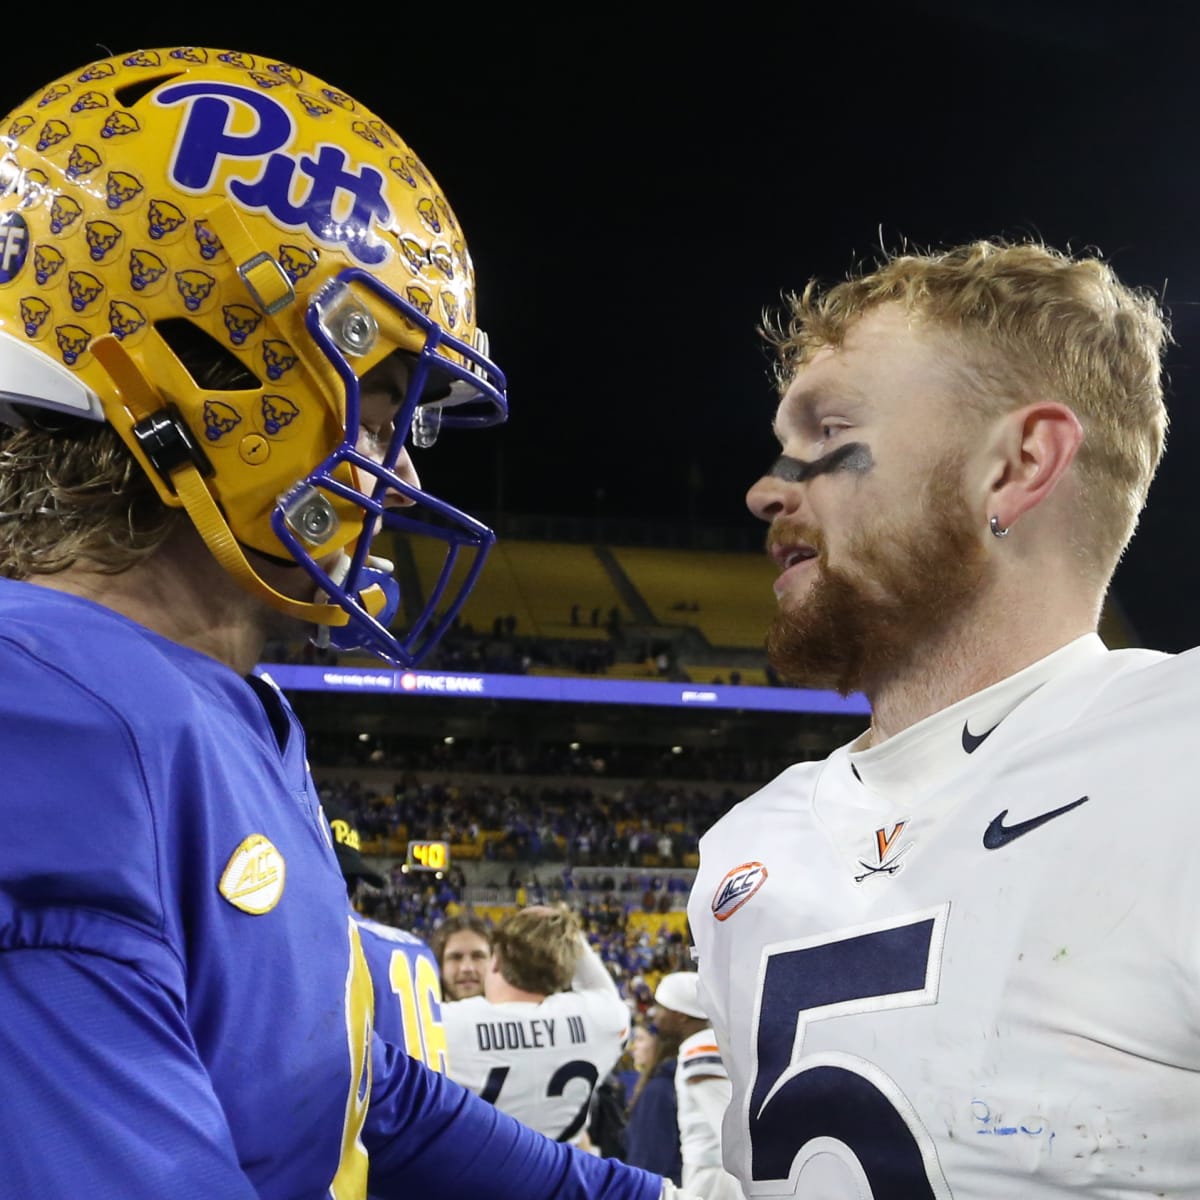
column 994, row 525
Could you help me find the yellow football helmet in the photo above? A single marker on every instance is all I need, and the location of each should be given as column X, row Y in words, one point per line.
column 176, row 206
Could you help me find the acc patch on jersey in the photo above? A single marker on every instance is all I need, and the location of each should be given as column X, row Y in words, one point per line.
column 736, row 888
column 253, row 877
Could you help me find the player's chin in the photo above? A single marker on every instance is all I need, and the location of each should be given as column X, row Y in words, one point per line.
column 287, row 577
column 793, row 598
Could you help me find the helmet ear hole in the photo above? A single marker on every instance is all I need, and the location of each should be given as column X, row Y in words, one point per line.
column 212, row 367
column 128, row 95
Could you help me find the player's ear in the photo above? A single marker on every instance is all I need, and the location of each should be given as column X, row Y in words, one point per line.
column 1029, row 451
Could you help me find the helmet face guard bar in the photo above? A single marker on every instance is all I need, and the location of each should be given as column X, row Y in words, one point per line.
column 477, row 400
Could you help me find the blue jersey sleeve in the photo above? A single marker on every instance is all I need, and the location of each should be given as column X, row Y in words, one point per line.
column 103, row 1091
column 429, row 1136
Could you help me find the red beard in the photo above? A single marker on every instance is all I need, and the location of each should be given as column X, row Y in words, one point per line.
column 904, row 586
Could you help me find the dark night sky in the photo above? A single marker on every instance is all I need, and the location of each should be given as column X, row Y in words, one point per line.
column 637, row 185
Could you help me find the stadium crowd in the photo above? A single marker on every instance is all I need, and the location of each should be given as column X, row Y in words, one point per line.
column 556, row 822
column 543, row 845
column 708, row 764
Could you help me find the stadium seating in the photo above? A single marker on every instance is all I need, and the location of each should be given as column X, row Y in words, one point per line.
column 538, row 583
column 554, row 576
column 726, row 595
column 497, row 592
column 716, row 673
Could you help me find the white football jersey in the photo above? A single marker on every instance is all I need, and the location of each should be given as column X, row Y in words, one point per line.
column 701, row 1096
column 540, row 1062
column 965, row 963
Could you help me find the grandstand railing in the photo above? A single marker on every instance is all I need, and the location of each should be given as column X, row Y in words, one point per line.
column 548, row 527
column 476, row 897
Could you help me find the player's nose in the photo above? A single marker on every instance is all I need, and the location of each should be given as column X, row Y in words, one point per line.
column 404, row 470
column 770, row 497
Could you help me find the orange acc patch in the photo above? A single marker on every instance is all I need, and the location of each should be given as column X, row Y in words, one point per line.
column 736, row 888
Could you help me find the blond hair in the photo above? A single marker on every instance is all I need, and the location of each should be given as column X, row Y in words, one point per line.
column 75, row 495
column 72, row 492
column 537, row 949
column 1031, row 322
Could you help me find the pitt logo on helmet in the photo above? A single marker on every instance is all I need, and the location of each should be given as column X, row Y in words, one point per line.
column 736, row 888
column 336, row 200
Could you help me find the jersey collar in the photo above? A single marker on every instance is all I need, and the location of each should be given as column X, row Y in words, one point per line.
column 918, row 759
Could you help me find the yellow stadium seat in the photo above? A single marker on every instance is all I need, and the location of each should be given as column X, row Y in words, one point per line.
column 536, row 582
column 750, row 676
column 651, row 923
column 731, row 590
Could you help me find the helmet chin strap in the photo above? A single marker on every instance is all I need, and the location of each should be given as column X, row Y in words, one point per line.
column 138, row 401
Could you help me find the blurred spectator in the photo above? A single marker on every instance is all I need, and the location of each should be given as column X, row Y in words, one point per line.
column 666, row 849
column 702, row 1087
column 607, row 1117
column 463, row 947
column 651, row 1129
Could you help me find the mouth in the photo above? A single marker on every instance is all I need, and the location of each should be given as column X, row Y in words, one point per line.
column 792, row 560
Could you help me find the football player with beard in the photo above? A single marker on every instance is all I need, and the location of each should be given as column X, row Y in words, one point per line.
column 462, row 945
column 950, row 960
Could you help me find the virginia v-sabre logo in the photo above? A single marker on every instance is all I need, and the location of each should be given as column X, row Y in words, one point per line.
column 887, row 862
column 998, row 834
column 736, row 888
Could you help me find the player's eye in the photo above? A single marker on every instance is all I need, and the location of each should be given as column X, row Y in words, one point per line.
column 376, row 435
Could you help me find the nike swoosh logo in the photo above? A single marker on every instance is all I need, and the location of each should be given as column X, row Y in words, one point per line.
column 971, row 743
column 998, row 834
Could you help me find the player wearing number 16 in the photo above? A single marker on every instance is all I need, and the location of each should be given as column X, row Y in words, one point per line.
column 959, row 957
column 230, row 299
column 404, row 971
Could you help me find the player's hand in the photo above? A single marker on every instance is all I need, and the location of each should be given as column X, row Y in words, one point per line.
column 671, row 1192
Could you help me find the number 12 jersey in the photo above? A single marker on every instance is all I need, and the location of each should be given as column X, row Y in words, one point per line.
column 540, row 1062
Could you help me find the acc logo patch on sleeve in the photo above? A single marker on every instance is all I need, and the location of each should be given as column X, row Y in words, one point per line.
column 736, row 888
column 253, row 877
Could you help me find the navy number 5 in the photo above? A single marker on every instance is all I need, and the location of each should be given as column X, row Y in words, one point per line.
column 832, row 1102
